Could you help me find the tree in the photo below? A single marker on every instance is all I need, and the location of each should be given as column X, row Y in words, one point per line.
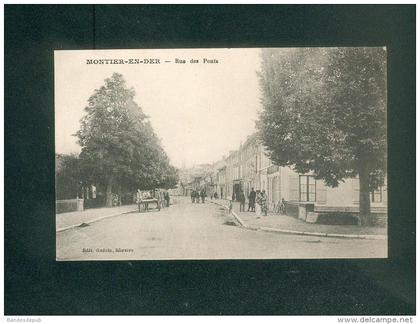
column 169, row 174
column 68, row 176
column 119, row 146
column 324, row 110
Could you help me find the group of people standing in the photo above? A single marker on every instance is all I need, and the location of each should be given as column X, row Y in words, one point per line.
column 197, row 194
column 257, row 201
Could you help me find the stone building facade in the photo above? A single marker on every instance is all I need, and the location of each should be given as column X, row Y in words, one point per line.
column 249, row 167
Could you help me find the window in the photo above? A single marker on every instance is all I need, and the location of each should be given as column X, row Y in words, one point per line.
column 376, row 195
column 307, row 188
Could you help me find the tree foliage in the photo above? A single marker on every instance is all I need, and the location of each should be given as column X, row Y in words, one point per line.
column 68, row 176
column 324, row 110
column 119, row 146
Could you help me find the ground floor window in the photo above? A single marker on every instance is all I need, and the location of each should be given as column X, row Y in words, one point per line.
column 307, row 188
column 376, row 195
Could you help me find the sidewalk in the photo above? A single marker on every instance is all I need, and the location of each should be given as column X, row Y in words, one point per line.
column 292, row 225
column 68, row 220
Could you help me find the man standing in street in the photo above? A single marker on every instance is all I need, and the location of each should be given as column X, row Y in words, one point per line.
column 167, row 198
column 241, row 199
column 203, row 195
column 251, row 200
column 162, row 198
column 158, row 196
column 139, row 199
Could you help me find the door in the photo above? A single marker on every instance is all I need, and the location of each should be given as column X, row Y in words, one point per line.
column 236, row 190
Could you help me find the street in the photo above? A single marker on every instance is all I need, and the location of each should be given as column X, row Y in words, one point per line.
column 198, row 231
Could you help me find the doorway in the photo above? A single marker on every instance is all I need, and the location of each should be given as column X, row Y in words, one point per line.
column 237, row 187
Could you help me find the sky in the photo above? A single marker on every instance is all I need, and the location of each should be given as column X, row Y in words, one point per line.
column 200, row 111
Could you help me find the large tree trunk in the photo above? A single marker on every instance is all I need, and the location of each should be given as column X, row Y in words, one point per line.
column 364, row 197
column 109, row 192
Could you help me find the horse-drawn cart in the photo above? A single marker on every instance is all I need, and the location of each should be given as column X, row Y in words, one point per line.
column 146, row 204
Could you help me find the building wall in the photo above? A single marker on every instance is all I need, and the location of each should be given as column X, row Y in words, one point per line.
column 221, row 183
column 345, row 195
column 249, row 155
column 252, row 168
column 274, row 187
column 229, row 174
column 262, row 166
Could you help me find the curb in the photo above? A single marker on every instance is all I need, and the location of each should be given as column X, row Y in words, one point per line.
column 93, row 220
column 284, row 231
column 240, row 221
column 332, row 235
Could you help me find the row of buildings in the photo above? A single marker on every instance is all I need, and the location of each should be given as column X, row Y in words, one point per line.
column 249, row 167
column 199, row 177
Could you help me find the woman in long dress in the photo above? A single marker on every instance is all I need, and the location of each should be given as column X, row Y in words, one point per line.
column 258, row 204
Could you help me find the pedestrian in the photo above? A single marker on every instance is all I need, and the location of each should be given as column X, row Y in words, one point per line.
column 233, row 196
column 241, row 199
column 283, row 206
column 158, row 196
column 215, row 195
column 162, row 198
column 197, row 196
column 138, row 199
column 264, row 207
column 167, row 198
column 203, row 195
column 251, row 200
column 258, row 203
column 192, row 196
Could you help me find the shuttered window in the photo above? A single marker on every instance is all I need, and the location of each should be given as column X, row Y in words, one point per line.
column 385, row 194
column 307, row 188
column 377, row 196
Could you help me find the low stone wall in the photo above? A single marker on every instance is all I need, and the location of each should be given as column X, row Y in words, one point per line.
column 337, row 218
column 380, row 219
column 349, row 209
column 344, row 218
column 68, row 205
column 331, row 215
column 292, row 209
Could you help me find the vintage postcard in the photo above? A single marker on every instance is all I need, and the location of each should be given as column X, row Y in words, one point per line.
column 242, row 153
